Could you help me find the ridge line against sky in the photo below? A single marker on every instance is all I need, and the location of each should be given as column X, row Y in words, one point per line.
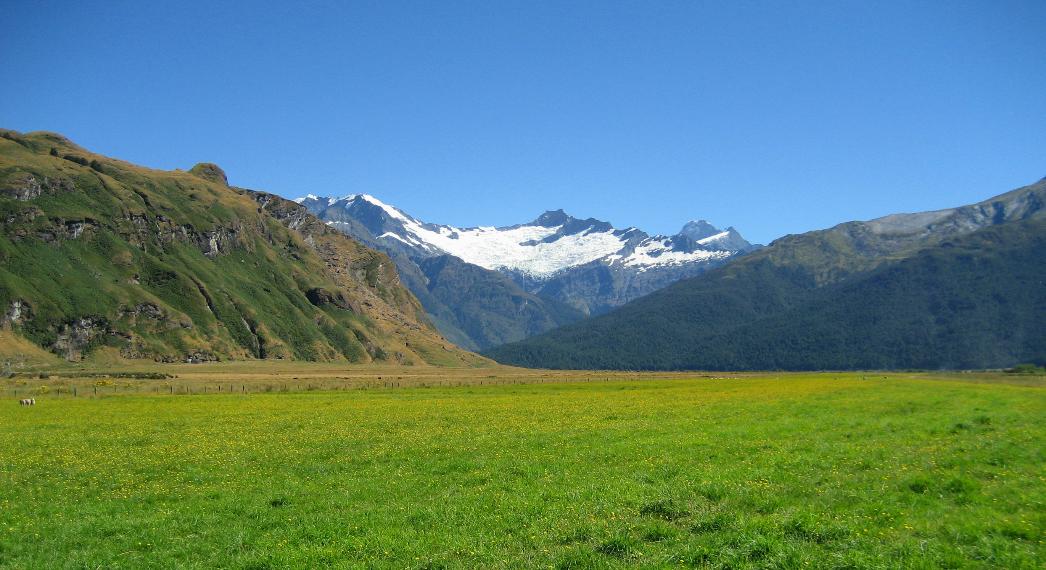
column 773, row 119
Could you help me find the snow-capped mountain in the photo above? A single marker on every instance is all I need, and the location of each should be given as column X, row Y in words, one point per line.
column 536, row 251
column 520, row 280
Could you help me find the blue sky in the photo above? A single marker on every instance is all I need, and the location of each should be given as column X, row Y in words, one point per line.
column 774, row 117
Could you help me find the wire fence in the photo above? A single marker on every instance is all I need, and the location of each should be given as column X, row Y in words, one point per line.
column 98, row 388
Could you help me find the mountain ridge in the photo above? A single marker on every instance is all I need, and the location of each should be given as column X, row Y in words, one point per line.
column 436, row 239
column 757, row 312
column 567, row 267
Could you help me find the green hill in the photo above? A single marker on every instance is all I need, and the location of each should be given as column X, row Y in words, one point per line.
column 97, row 254
column 959, row 288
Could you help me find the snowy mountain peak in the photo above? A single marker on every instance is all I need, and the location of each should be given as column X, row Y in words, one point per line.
column 552, row 243
column 307, row 198
column 312, row 199
column 698, row 230
column 552, row 218
column 367, row 198
column 729, row 239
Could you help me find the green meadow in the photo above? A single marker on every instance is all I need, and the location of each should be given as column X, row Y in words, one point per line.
column 796, row 471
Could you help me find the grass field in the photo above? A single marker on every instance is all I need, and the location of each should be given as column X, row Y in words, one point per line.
column 797, row 471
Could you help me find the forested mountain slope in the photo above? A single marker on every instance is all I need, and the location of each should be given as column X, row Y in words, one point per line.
column 958, row 288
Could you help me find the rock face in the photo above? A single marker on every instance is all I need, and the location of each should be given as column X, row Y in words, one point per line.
column 565, row 267
column 98, row 254
column 75, row 337
column 25, row 186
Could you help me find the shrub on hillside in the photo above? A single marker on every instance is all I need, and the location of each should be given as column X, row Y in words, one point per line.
column 1027, row 369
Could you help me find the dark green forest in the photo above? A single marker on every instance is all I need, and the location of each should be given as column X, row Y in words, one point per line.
column 973, row 301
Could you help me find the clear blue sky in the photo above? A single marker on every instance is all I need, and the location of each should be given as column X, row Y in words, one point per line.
column 774, row 117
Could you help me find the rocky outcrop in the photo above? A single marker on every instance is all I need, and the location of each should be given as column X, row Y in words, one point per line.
column 75, row 337
column 210, row 171
column 146, row 232
column 16, row 312
column 25, row 186
column 322, row 297
column 143, row 311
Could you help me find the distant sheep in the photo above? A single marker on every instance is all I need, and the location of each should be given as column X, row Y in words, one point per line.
column 27, row 402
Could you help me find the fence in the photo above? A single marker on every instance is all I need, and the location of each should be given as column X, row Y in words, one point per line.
column 94, row 388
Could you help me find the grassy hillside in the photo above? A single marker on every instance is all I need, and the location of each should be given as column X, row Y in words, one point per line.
column 883, row 294
column 99, row 254
column 798, row 471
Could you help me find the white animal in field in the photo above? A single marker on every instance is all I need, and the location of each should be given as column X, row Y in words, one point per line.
column 27, row 402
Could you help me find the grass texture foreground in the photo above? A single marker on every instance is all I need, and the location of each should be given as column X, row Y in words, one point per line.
column 797, row 471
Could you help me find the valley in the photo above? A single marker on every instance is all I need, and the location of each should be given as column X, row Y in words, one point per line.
column 525, row 279
column 530, row 285
column 104, row 257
